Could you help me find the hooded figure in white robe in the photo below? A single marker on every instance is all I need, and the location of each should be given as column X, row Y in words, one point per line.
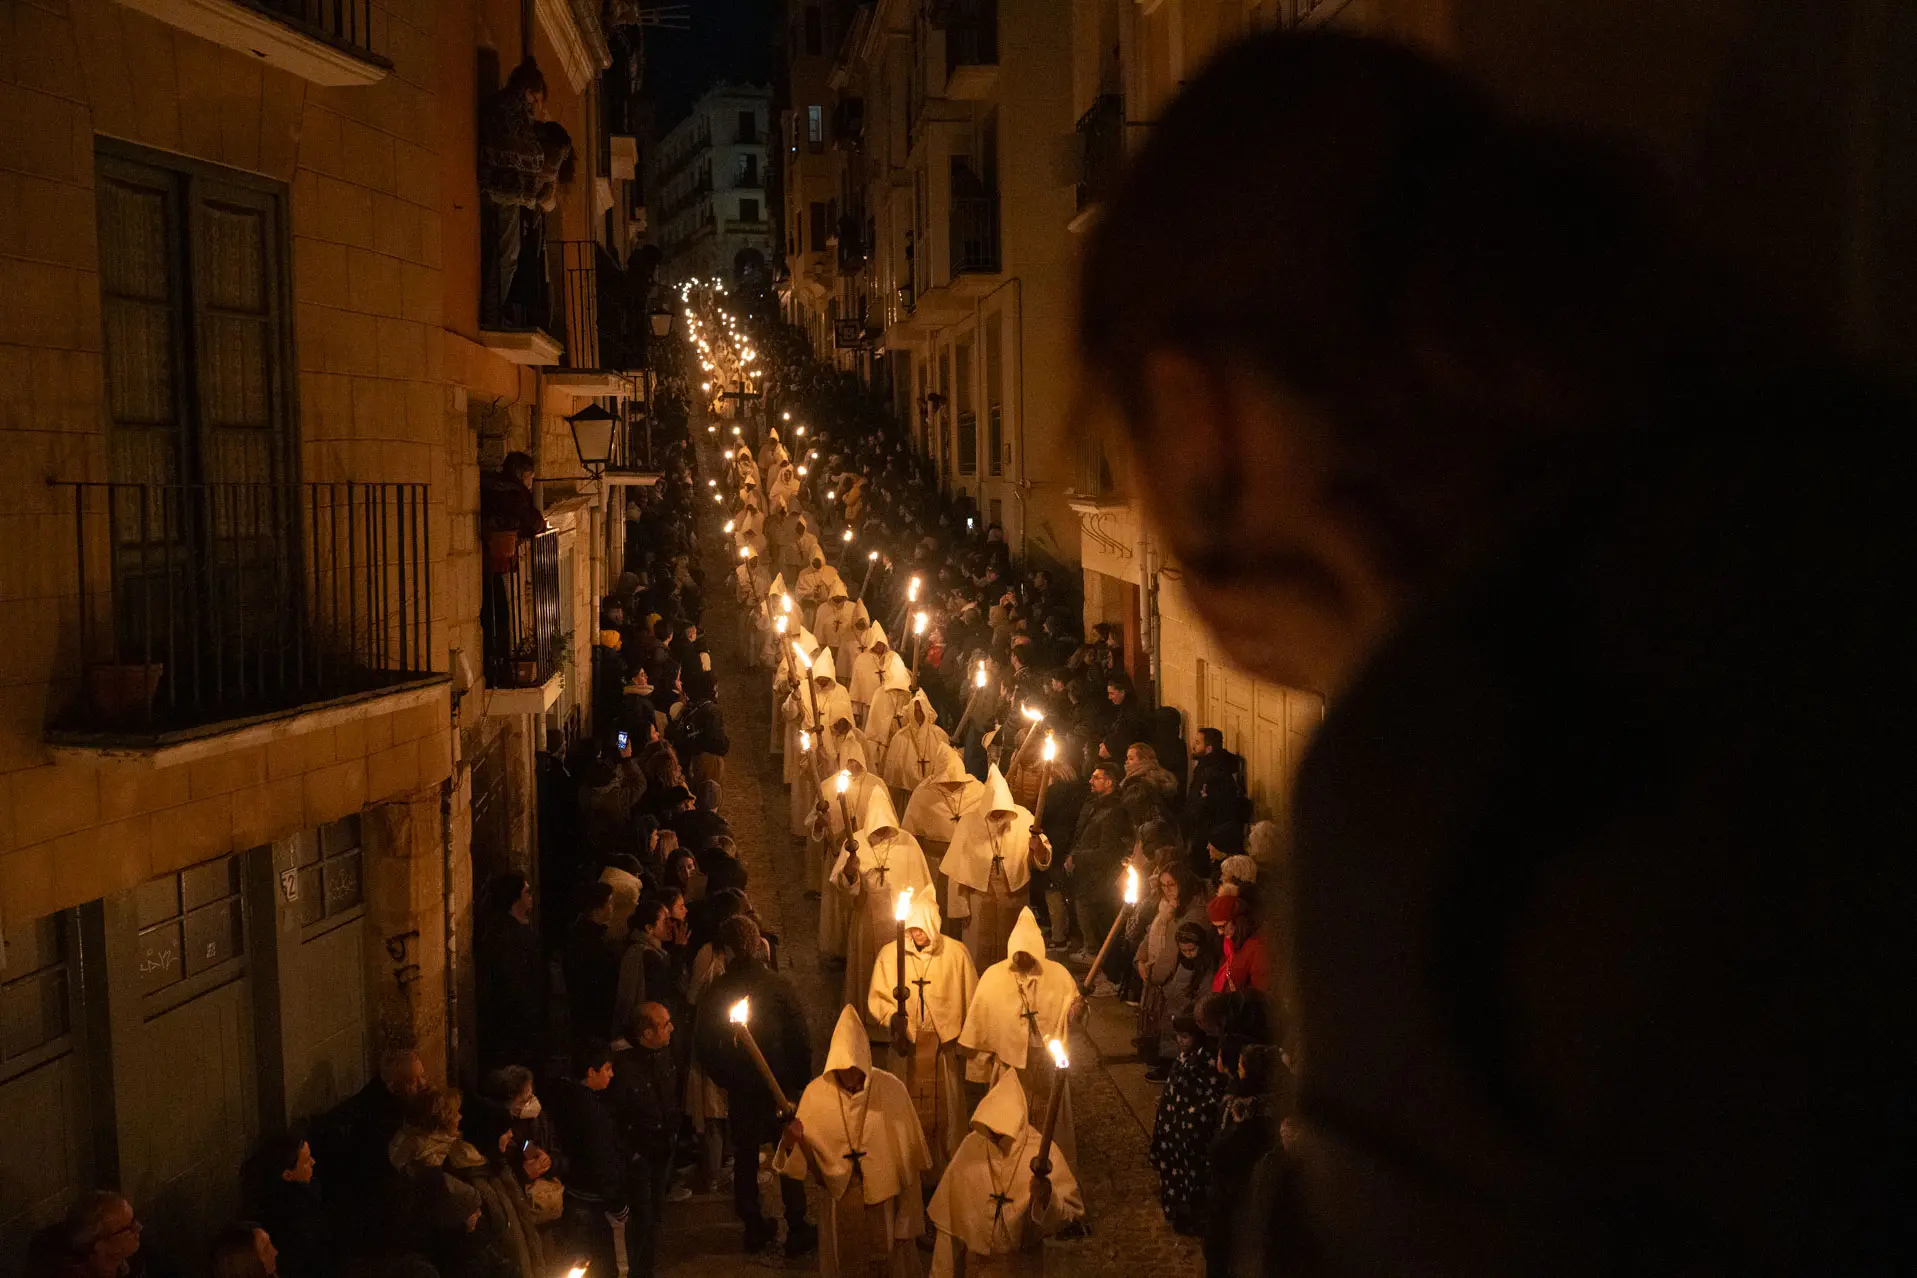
column 819, row 582
column 939, row 983
column 840, row 618
column 784, row 485
column 876, row 659
column 809, row 548
column 881, row 862
column 869, row 803
column 854, row 644
column 984, row 1206
column 785, row 665
column 860, row 1141
column 1019, row 1004
column 817, row 700
column 917, row 747
column 933, row 813
column 886, row 711
column 771, row 453
column 989, row 865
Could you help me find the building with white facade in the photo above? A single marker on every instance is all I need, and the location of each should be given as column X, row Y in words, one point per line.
column 710, row 208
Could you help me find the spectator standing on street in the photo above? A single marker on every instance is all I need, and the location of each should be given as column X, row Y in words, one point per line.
column 597, row 1205
column 645, row 1099
column 510, row 975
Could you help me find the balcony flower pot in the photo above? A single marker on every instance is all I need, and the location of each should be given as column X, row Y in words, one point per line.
column 525, row 673
column 123, row 692
column 500, row 549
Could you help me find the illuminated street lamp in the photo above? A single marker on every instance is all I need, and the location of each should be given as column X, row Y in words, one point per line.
column 592, row 437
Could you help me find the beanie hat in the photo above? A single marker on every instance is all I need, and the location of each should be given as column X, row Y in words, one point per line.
column 1223, row 908
column 1240, row 867
column 1228, row 838
column 610, row 639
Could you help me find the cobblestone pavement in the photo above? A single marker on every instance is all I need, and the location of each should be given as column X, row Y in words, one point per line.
column 1111, row 1102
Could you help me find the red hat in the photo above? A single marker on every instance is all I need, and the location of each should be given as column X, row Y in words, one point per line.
column 1223, row 908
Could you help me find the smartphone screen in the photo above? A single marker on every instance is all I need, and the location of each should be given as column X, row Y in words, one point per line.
column 624, row 740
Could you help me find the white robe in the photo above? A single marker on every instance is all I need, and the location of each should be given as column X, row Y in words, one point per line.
column 887, row 708
column 916, row 748
column 989, row 866
column 983, row 1204
column 1013, row 1014
column 816, row 585
column 839, row 619
column 889, row 863
column 867, row 799
column 867, row 1151
column 939, row 983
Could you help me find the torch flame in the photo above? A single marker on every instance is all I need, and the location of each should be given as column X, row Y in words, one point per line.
column 1032, row 713
column 740, row 1010
column 978, row 680
column 730, row 524
column 799, row 430
column 1051, row 747
column 785, row 603
column 805, row 741
column 745, row 552
column 804, row 660
column 1057, row 1049
column 577, row 1271
column 912, row 591
column 903, row 910
column 874, row 556
column 712, row 483
column 830, row 494
column 1131, row 885
column 778, row 623
column 918, row 624
column 847, row 534
column 845, row 779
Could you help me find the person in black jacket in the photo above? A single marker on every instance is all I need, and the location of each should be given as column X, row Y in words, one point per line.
column 509, row 975
column 645, row 1100
column 1130, row 722
column 597, row 1206
column 778, row 1025
column 591, row 966
column 1216, row 797
column 1246, row 1133
column 352, row 1141
column 292, row 1211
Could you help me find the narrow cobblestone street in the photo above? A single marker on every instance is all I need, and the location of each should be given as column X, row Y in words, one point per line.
column 1112, row 1102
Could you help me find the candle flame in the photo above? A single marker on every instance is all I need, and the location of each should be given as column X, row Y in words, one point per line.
column 1051, row 747
column 845, row 779
column 903, row 910
column 1131, row 885
column 740, row 1010
column 1057, row 1049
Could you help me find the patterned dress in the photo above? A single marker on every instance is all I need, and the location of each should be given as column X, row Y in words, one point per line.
column 1188, row 1113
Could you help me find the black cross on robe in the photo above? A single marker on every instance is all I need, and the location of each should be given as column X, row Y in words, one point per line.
column 1030, row 1017
column 998, row 857
column 1000, row 1203
column 854, row 1156
column 880, row 870
column 922, row 982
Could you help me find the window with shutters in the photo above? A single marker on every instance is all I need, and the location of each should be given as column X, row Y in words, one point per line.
column 821, row 225
column 191, row 932
column 328, row 887
column 196, row 317
column 35, row 993
column 994, row 395
column 967, row 417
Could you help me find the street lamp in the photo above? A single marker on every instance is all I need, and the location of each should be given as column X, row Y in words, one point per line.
column 661, row 322
column 592, row 437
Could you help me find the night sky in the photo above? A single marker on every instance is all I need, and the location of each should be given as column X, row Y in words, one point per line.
column 729, row 40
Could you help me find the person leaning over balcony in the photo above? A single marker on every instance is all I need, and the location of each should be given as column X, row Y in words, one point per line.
column 510, row 163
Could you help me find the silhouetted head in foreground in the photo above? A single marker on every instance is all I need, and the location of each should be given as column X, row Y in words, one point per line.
column 1347, row 314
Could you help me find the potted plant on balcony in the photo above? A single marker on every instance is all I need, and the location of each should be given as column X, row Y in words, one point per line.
column 123, row 691
column 525, row 662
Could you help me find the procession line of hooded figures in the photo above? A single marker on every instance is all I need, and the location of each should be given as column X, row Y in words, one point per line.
column 859, row 744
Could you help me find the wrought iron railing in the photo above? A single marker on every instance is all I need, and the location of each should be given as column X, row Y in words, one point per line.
column 345, row 24
column 576, row 268
column 971, row 33
column 206, row 603
column 520, row 615
column 974, row 226
column 1101, row 149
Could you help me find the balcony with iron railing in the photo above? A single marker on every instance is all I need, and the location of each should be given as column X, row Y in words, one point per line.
column 522, row 619
column 206, row 607
column 1101, row 149
column 326, row 42
column 974, row 236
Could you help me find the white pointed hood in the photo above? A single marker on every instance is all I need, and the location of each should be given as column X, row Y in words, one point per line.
column 1026, row 937
column 998, row 795
column 925, row 914
column 922, row 713
column 1005, row 1111
column 897, row 679
column 875, row 633
column 951, row 768
column 777, row 589
column 850, row 1049
column 823, row 666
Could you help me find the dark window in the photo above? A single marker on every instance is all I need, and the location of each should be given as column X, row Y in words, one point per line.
column 748, row 210
column 995, row 512
column 967, row 418
column 815, row 126
column 748, row 126
column 746, row 171
column 821, row 225
column 814, row 30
